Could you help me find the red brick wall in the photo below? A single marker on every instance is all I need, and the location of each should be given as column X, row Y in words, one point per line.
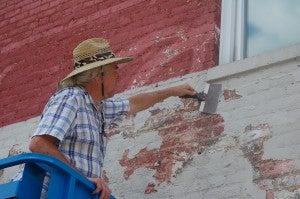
column 166, row 38
column 189, row 135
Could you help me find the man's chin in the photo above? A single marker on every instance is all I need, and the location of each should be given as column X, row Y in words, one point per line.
column 110, row 95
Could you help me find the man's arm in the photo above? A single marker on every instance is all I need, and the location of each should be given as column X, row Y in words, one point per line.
column 145, row 100
column 47, row 144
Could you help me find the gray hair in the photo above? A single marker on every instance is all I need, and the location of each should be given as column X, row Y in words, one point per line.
column 79, row 79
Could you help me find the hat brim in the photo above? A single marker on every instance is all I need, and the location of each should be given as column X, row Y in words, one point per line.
column 98, row 64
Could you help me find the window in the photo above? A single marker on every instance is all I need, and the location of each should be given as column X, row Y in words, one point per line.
column 252, row 27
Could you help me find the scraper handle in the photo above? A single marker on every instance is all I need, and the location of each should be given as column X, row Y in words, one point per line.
column 199, row 96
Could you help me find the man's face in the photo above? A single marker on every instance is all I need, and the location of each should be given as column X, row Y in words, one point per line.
column 110, row 79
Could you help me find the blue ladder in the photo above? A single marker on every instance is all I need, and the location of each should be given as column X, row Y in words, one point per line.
column 64, row 183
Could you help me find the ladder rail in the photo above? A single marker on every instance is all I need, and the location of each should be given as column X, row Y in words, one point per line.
column 68, row 180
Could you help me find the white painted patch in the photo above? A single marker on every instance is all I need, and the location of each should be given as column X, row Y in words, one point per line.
column 140, row 119
column 150, row 140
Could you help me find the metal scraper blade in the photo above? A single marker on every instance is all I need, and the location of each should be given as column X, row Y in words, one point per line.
column 213, row 92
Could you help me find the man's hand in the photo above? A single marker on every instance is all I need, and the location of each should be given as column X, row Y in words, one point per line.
column 181, row 90
column 102, row 187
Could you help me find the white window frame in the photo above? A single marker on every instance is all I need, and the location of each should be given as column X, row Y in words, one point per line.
column 232, row 37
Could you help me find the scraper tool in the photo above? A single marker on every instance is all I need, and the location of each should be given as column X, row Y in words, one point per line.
column 209, row 98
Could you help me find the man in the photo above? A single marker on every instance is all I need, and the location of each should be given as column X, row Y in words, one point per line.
column 72, row 124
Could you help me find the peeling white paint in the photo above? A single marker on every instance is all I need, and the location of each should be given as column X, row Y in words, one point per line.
column 222, row 167
column 140, row 119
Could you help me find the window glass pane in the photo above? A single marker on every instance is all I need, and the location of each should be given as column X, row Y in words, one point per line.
column 271, row 24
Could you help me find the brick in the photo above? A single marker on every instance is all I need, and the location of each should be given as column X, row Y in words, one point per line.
column 19, row 17
column 55, row 3
column 17, row 32
column 35, row 11
column 12, row 13
column 4, row 23
column 44, row 7
column 150, row 188
column 31, row 6
column 46, row 13
column 43, row 21
column 231, row 95
column 9, row 3
column 21, row 4
column 42, row 29
column 5, row 10
column 3, row 5
column 30, row 22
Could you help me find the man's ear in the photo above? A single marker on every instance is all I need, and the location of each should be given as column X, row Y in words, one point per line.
column 96, row 78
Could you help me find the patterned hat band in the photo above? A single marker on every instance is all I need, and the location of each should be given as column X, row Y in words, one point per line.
column 94, row 58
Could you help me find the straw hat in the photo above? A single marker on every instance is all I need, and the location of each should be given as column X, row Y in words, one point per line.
column 93, row 53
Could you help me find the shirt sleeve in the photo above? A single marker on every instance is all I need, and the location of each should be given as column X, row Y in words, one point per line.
column 114, row 109
column 58, row 116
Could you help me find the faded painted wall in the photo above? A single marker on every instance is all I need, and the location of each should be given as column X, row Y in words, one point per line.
column 166, row 38
column 250, row 149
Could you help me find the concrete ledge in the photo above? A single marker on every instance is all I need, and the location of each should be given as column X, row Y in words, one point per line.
column 252, row 63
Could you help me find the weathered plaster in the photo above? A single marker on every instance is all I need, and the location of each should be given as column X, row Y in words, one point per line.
column 254, row 156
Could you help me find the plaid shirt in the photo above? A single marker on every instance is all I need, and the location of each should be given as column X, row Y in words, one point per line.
column 72, row 117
